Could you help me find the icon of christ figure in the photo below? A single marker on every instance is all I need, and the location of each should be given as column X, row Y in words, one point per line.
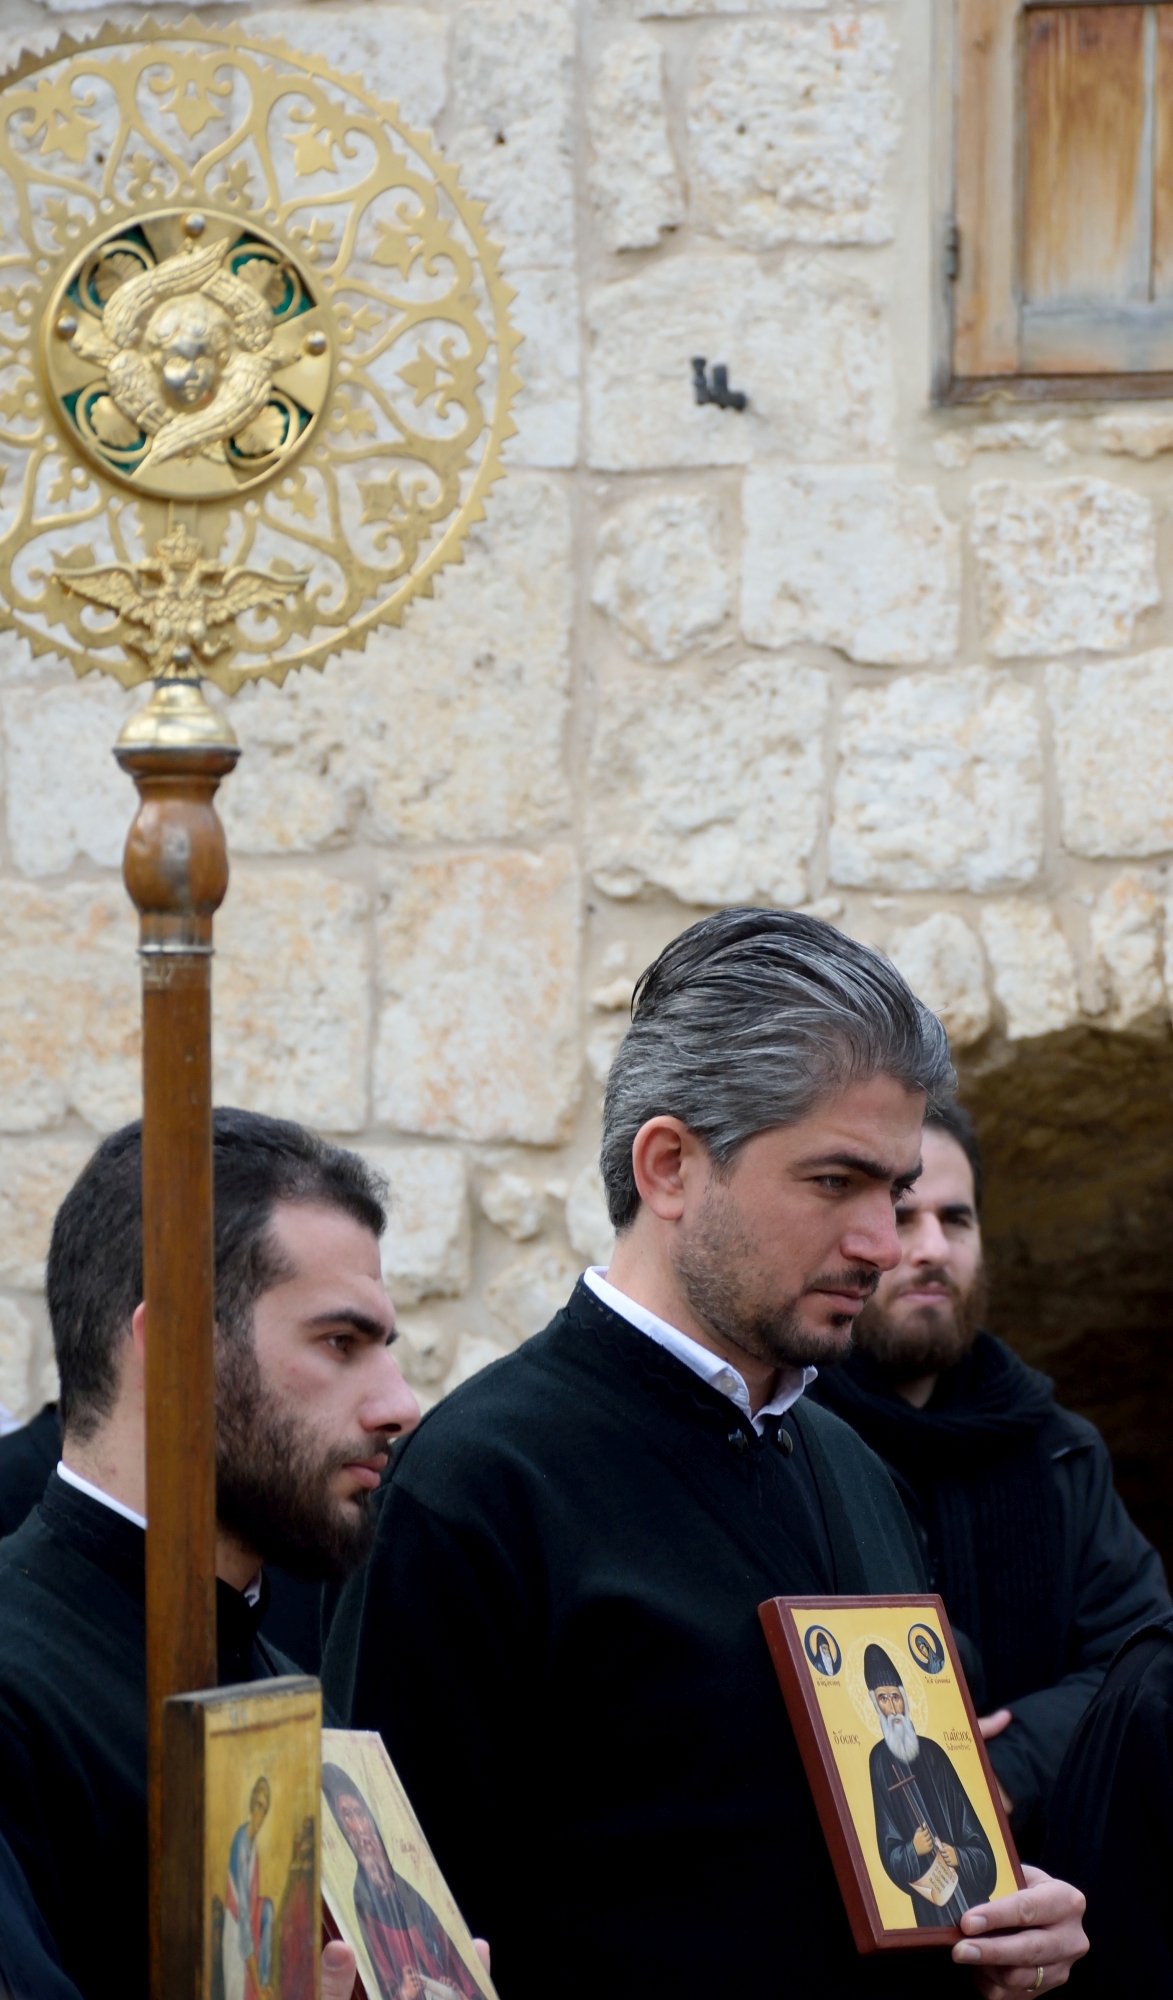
column 930, row 1839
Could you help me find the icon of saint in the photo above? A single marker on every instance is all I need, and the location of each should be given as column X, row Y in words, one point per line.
column 930, row 1838
column 412, row 1954
column 927, row 1649
column 247, row 1943
column 822, row 1651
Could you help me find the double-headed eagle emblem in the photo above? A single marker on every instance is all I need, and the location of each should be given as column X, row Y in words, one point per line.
column 189, row 351
column 173, row 606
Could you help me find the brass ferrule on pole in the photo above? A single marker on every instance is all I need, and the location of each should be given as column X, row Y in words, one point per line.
column 177, row 750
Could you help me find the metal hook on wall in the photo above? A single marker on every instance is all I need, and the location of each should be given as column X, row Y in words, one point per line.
column 718, row 390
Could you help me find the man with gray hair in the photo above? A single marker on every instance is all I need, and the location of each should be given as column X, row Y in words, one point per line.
column 557, row 1633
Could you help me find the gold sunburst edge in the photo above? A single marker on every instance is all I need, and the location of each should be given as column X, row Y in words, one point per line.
column 503, row 337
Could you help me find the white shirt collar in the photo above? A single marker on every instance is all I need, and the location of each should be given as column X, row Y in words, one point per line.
column 72, row 1478
column 719, row 1374
column 251, row 1592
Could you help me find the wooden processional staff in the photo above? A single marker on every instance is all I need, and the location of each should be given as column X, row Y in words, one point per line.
column 256, row 370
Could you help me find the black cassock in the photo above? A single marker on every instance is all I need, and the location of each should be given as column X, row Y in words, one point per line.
column 929, row 1791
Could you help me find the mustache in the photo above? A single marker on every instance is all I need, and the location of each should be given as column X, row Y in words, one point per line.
column 934, row 1276
column 357, row 1454
column 852, row 1278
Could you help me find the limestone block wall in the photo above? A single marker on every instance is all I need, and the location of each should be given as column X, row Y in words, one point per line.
column 910, row 668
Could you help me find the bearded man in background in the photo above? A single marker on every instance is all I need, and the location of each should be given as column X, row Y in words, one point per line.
column 1021, row 1529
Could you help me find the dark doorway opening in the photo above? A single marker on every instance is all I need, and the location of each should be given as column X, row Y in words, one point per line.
column 1077, row 1133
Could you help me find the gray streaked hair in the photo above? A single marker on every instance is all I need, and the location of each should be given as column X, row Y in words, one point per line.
column 746, row 1021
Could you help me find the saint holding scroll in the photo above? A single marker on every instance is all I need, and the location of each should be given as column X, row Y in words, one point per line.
column 930, row 1839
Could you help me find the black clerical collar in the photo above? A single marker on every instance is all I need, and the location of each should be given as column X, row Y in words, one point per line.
column 117, row 1546
column 104, row 1537
column 237, row 1625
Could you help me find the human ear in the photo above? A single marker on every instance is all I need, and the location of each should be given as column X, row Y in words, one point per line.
column 664, row 1157
column 138, row 1332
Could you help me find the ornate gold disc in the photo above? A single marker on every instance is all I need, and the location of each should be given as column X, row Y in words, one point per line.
column 255, row 359
column 188, row 356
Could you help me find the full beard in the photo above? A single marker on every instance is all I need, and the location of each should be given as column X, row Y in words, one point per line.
column 273, row 1477
column 932, row 1338
column 714, row 1265
column 900, row 1737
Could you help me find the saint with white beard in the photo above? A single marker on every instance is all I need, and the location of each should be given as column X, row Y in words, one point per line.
column 930, row 1839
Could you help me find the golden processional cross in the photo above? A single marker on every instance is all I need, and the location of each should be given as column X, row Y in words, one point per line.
column 255, row 375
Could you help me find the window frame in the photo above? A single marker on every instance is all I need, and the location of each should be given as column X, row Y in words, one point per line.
column 978, row 204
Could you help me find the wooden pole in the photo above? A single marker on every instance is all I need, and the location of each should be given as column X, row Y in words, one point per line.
column 176, row 869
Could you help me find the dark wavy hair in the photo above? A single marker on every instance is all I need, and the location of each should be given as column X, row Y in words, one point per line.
column 94, row 1277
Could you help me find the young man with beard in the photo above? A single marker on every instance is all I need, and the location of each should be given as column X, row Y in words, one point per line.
column 1012, row 1499
column 557, row 1633
column 308, row 1400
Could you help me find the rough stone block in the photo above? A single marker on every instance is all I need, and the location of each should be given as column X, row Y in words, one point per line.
column 791, row 124
column 659, row 573
column 808, row 344
column 588, row 1224
column 515, row 1204
column 709, row 784
column 955, row 449
column 601, row 1046
column 525, row 1296
column 35, row 1177
column 940, row 784
column 478, row 973
column 1124, row 939
column 69, row 1006
column 448, row 729
column 473, row 1352
column 66, row 799
column 1140, row 433
column 425, row 1349
column 674, row 10
column 397, row 53
column 942, row 962
column 633, row 179
column 548, row 409
column 1032, row 967
column 850, row 558
column 1113, row 729
column 513, row 98
column 16, row 1353
column 292, row 982
column 427, row 1243
column 16, row 655
column 615, row 996
column 1068, row 565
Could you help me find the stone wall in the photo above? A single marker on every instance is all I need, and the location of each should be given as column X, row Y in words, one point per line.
column 911, row 668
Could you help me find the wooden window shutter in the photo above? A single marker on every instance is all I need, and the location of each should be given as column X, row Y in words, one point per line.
column 1064, row 192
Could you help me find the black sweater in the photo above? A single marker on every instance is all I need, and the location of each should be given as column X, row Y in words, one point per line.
column 1111, row 1826
column 558, row 1638
column 73, row 1727
column 30, row 1968
column 27, row 1457
column 293, row 1616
